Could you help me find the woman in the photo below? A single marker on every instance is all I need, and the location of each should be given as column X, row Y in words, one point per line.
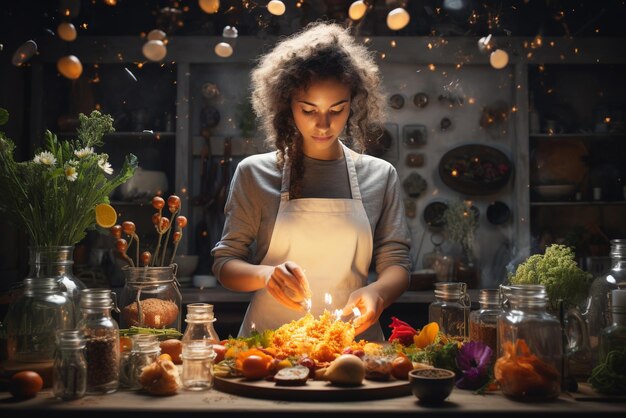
column 305, row 220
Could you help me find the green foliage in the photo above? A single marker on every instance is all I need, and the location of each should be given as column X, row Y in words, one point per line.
column 256, row 339
column 54, row 195
column 460, row 223
column 558, row 272
column 610, row 376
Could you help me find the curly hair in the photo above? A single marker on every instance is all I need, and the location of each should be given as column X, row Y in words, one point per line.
column 321, row 50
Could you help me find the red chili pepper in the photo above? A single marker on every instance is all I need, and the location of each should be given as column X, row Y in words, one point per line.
column 401, row 331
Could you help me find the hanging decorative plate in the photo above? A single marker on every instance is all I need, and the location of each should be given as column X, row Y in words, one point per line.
column 475, row 169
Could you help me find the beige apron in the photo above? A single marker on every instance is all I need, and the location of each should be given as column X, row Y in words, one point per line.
column 331, row 239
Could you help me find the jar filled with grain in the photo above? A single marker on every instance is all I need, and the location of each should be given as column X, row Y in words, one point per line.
column 151, row 298
column 102, row 340
column 484, row 321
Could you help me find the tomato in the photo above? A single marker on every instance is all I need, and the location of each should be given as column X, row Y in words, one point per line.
column 309, row 363
column 400, row 367
column 220, row 350
column 254, row 367
column 25, row 384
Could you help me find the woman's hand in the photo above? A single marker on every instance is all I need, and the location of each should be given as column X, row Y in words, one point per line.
column 369, row 302
column 288, row 285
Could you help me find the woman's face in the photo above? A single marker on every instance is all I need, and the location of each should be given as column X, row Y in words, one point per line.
column 320, row 113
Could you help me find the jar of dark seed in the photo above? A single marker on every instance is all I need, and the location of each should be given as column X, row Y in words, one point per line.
column 102, row 340
column 483, row 323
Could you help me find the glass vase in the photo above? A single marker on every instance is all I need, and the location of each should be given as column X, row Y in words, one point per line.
column 467, row 269
column 56, row 261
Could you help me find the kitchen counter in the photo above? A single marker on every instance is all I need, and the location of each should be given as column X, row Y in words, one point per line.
column 217, row 404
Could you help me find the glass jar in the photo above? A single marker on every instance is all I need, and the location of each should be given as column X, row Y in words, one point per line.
column 198, row 359
column 451, row 309
column 33, row 320
column 150, row 298
column 441, row 263
column 613, row 337
column 102, row 340
column 199, row 321
column 145, row 351
column 483, row 323
column 70, row 368
column 530, row 345
column 598, row 316
column 56, row 261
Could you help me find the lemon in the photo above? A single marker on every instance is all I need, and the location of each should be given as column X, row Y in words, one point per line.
column 106, row 216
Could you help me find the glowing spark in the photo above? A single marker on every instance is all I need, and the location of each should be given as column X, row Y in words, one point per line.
column 328, row 298
column 356, row 312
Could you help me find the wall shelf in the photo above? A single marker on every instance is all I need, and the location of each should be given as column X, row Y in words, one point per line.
column 582, row 203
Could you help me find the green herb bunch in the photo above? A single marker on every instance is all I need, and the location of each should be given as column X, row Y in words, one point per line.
column 460, row 223
column 54, row 195
column 558, row 272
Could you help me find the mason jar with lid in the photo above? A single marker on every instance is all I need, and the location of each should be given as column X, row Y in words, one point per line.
column 145, row 351
column 530, row 345
column 451, row 309
column 150, row 298
column 483, row 323
column 198, row 357
column 102, row 340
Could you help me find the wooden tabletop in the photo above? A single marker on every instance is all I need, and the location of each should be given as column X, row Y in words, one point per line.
column 212, row 403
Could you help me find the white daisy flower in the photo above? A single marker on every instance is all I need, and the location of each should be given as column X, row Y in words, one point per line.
column 82, row 153
column 46, row 158
column 70, row 173
column 105, row 166
column 73, row 162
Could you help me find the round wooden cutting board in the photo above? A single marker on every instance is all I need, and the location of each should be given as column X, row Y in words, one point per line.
column 314, row 390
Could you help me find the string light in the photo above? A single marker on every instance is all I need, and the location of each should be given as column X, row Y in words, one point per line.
column 276, row 7
column 154, row 50
column 66, row 31
column 223, row 50
column 70, row 67
column 499, row 59
column 209, row 6
column 398, row 18
column 357, row 10
column 156, row 35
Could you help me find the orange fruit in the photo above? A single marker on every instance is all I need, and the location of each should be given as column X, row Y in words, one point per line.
column 254, row 367
column 106, row 216
column 165, row 356
column 401, row 366
column 25, row 384
column 174, row 348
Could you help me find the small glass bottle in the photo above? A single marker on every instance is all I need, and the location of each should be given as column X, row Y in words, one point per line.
column 102, row 340
column 199, row 321
column 145, row 351
column 451, row 309
column 198, row 359
column 598, row 316
column 613, row 337
column 530, row 347
column 484, row 321
column 70, row 368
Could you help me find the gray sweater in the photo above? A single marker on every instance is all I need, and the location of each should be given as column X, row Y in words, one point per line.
column 254, row 198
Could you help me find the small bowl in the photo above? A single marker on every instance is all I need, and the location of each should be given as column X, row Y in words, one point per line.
column 431, row 385
column 204, row 280
column 187, row 265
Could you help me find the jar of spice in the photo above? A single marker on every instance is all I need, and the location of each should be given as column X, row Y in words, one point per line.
column 484, row 321
column 530, row 347
column 145, row 351
column 451, row 309
column 102, row 340
column 70, row 368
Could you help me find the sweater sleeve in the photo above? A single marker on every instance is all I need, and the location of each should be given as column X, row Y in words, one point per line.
column 241, row 223
column 392, row 240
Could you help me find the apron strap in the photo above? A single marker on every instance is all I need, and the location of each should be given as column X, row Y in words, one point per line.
column 354, row 182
